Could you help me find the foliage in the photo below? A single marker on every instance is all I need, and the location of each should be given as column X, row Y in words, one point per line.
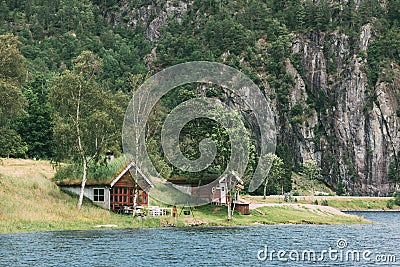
column 275, row 174
column 99, row 172
column 252, row 36
column 340, row 189
column 283, row 152
column 11, row 143
column 12, row 101
column 311, row 170
column 79, row 101
column 35, row 126
column 396, row 196
column 390, row 204
column 394, row 170
column 88, row 119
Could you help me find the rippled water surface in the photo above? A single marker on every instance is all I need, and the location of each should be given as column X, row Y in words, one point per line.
column 216, row 246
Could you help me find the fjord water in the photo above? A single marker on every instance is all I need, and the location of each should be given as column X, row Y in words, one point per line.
column 209, row 246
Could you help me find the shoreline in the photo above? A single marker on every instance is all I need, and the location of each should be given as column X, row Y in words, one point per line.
column 31, row 202
column 372, row 210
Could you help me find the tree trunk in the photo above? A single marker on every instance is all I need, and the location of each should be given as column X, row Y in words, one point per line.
column 81, row 150
column 84, row 179
column 135, row 195
column 229, row 209
column 265, row 188
column 229, row 199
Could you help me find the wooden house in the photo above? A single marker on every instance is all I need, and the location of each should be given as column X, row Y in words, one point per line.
column 214, row 191
column 120, row 194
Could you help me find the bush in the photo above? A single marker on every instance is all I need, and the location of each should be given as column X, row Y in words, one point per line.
column 288, row 198
column 324, row 202
column 396, row 196
column 340, row 189
column 390, row 204
column 315, row 202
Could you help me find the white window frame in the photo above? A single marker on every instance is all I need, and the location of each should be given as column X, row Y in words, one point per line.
column 99, row 195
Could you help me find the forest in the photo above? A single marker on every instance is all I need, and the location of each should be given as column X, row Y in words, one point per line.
column 68, row 70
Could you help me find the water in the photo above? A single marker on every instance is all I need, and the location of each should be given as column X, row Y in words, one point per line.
column 216, row 246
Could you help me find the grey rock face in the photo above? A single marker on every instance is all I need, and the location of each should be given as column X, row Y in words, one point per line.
column 359, row 133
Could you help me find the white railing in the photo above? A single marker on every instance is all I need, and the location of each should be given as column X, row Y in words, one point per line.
column 158, row 211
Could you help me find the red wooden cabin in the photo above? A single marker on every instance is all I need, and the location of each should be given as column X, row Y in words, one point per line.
column 123, row 189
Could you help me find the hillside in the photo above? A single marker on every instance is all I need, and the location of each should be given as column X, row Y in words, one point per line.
column 330, row 68
column 30, row 201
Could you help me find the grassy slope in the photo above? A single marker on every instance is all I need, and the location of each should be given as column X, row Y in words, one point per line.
column 212, row 215
column 31, row 202
column 304, row 186
column 341, row 203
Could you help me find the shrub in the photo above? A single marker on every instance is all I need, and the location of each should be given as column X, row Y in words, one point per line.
column 396, row 196
column 324, row 202
column 340, row 189
column 390, row 204
column 288, row 198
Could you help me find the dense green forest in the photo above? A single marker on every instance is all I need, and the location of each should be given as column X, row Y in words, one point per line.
column 106, row 49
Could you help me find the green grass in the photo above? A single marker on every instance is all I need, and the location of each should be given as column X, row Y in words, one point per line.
column 286, row 214
column 98, row 173
column 360, row 203
column 305, row 187
column 217, row 216
column 30, row 201
column 341, row 203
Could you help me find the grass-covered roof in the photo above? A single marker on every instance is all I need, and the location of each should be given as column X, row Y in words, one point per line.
column 102, row 174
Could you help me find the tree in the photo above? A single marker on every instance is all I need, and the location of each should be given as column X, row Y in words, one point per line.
column 87, row 118
column 283, row 151
column 276, row 172
column 4, row 10
column 312, row 171
column 340, row 189
column 12, row 102
column 35, row 126
column 396, row 196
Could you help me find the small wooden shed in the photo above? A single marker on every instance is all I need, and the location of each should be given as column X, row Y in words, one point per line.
column 241, row 207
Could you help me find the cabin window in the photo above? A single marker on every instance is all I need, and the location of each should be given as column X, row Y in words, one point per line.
column 98, row 194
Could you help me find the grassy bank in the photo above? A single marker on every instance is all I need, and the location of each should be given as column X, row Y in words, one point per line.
column 286, row 214
column 338, row 202
column 30, row 201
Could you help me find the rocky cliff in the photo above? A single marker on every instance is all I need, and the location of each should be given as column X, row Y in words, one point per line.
column 355, row 133
column 347, row 124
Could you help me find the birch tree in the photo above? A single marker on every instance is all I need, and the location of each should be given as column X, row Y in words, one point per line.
column 87, row 118
column 276, row 172
column 312, row 172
